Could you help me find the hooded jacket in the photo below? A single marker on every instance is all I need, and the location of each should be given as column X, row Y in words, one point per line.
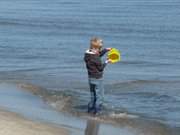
column 94, row 65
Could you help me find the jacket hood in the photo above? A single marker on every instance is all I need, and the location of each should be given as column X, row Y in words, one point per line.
column 89, row 52
column 88, row 55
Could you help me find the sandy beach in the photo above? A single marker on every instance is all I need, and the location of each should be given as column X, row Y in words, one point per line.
column 13, row 124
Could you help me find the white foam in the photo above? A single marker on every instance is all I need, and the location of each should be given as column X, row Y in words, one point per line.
column 123, row 115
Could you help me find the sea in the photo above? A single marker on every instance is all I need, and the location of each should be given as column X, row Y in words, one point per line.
column 42, row 45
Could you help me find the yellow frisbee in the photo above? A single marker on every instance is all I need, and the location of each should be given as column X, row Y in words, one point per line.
column 114, row 55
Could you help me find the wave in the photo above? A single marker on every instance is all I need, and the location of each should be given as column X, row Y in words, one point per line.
column 63, row 24
column 142, row 82
column 69, row 23
column 137, row 85
column 57, row 99
column 75, row 102
column 66, row 101
column 76, row 99
column 146, row 63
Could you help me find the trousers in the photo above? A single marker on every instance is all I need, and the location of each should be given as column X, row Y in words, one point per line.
column 97, row 94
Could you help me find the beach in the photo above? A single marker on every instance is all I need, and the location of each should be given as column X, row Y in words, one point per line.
column 14, row 124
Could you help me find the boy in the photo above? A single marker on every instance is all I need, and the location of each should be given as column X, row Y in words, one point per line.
column 95, row 68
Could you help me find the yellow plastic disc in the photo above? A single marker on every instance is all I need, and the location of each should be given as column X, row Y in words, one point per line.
column 114, row 55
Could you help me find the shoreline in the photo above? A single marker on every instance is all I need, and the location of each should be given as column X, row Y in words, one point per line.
column 31, row 114
column 14, row 124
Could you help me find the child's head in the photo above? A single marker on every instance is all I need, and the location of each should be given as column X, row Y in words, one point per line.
column 96, row 43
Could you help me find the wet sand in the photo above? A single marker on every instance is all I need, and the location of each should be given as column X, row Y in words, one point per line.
column 13, row 124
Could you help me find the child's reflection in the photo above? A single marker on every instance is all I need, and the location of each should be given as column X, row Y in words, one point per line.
column 92, row 127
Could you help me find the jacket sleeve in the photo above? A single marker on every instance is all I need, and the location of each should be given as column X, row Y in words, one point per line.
column 103, row 52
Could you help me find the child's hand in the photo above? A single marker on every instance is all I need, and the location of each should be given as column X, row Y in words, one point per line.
column 108, row 49
column 108, row 61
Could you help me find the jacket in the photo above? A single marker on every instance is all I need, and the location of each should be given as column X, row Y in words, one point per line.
column 94, row 65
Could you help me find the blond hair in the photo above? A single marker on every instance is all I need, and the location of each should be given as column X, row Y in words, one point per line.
column 95, row 43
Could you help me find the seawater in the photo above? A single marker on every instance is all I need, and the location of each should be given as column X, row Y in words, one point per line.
column 43, row 42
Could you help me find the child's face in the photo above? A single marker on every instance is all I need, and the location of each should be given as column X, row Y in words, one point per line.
column 97, row 45
column 100, row 42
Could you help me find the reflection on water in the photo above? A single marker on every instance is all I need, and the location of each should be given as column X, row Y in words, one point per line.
column 92, row 127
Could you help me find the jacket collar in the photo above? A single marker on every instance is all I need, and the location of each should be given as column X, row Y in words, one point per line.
column 90, row 52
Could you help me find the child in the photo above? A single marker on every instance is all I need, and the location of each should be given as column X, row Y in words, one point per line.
column 95, row 68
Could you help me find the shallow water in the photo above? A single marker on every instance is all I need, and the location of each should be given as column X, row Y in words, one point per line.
column 17, row 99
column 43, row 43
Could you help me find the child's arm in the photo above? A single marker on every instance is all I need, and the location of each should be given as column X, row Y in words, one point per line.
column 104, row 51
column 100, row 66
